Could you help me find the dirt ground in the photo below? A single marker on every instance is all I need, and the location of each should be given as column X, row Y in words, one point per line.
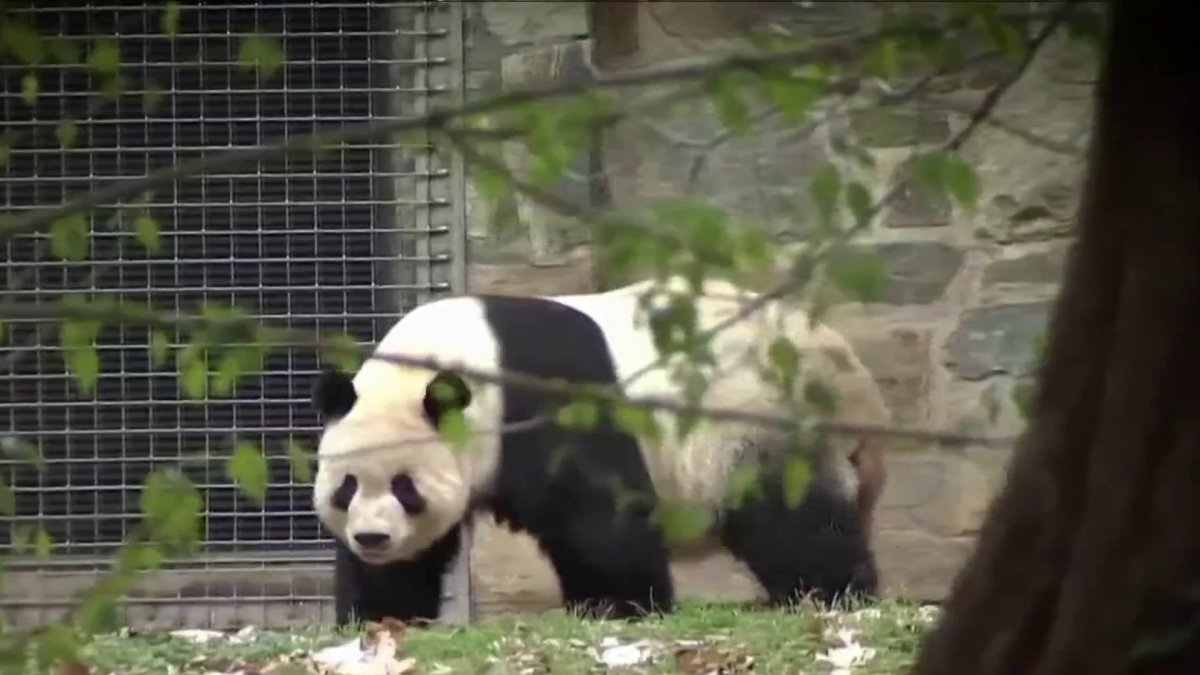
column 511, row 575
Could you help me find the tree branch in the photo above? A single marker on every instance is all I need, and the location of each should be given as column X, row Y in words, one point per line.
column 38, row 218
column 287, row 337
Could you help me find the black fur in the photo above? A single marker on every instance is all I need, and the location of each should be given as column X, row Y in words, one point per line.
column 333, row 394
column 607, row 562
column 816, row 550
column 557, row 484
column 408, row 591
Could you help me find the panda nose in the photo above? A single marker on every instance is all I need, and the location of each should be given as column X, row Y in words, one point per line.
column 372, row 540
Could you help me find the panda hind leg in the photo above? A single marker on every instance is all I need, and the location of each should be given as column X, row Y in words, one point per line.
column 817, row 550
column 610, row 566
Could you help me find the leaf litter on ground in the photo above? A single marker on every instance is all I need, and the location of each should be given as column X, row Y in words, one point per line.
column 701, row 641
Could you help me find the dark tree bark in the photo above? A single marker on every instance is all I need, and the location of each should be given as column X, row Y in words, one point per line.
column 1092, row 550
column 613, row 25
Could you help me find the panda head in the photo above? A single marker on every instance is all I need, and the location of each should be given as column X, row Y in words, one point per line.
column 387, row 485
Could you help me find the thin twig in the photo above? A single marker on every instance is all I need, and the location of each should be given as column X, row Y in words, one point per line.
column 38, row 218
column 559, row 388
column 1031, row 137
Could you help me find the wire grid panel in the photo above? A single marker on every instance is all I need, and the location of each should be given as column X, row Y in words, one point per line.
column 344, row 240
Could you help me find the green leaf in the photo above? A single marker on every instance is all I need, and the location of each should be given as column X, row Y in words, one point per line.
column 64, row 51
column 862, row 275
column 1023, row 394
column 43, row 545
column 731, row 110
column 234, row 364
column 683, row 524
column 884, row 59
column 796, row 477
column 105, row 56
column 5, row 151
column 152, row 96
column 1004, row 36
column 29, row 88
column 928, row 169
column 8, row 499
column 146, row 230
column 961, row 180
column 744, row 483
column 825, row 189
column 493, row 185
column 858, row 200
column 1086, row 24
column 453, row 428
column 793, row 97
column 821, row 397
column 138, row 556
column 67, row 133
column 69, row 237
column 300, row 458
column 54, row 644
column 785, row 358
column 580, row 414
column 171, row 508
column 98, row 611
column 170, row 18
column 21, row 449
column 843, row 145
column 77, row 338
column 247, row 467
column 639, row 422
column 342, row 351
column 160, row 348
column 113, row 87
column 22, row 41
column 261, row 53
column 193, row 371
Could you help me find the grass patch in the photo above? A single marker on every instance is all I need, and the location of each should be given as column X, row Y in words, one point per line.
column 698, row 638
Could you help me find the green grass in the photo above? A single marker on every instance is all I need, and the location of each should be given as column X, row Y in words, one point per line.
column 778, row 642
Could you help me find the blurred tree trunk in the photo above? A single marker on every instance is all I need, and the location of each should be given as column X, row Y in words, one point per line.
column 613, row 26
column 1090, row 557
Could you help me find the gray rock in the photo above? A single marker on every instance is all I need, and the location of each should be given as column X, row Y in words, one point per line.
column 550, row 232
column 917, row 205
column 1035, row 268
column 900, row 361
column 918, row 272
column 997, row 340
column 895, row 128
column 522, row 23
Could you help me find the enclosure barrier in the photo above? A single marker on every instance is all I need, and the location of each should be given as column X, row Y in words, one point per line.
column 345, row 240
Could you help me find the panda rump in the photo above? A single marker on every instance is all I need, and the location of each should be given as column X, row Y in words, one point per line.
column 396, row 513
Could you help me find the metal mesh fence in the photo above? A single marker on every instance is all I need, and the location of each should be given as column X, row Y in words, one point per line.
column 344, row 240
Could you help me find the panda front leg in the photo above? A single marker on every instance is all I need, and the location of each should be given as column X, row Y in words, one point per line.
column 609, row 565
column 410, row 591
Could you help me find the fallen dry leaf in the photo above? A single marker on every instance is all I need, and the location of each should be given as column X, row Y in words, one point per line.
column 709, row 660
column 73, row 667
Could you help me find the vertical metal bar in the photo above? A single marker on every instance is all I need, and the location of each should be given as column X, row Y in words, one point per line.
column 448, row 219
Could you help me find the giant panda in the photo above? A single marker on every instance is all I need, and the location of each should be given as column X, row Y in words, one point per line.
column 394, row 494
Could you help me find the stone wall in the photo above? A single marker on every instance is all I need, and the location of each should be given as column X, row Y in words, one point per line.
column 968, row 293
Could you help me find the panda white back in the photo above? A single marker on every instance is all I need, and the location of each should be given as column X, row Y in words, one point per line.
column 698, row 469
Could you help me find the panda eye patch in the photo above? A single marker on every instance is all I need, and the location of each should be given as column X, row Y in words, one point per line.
column 345, row 493
column 407, row 494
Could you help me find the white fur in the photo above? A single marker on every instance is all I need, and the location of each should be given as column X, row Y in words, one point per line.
column 453, row 331
column 388, row 411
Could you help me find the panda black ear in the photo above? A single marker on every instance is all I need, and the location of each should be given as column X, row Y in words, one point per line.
column 333, row 394
column 445, row 392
